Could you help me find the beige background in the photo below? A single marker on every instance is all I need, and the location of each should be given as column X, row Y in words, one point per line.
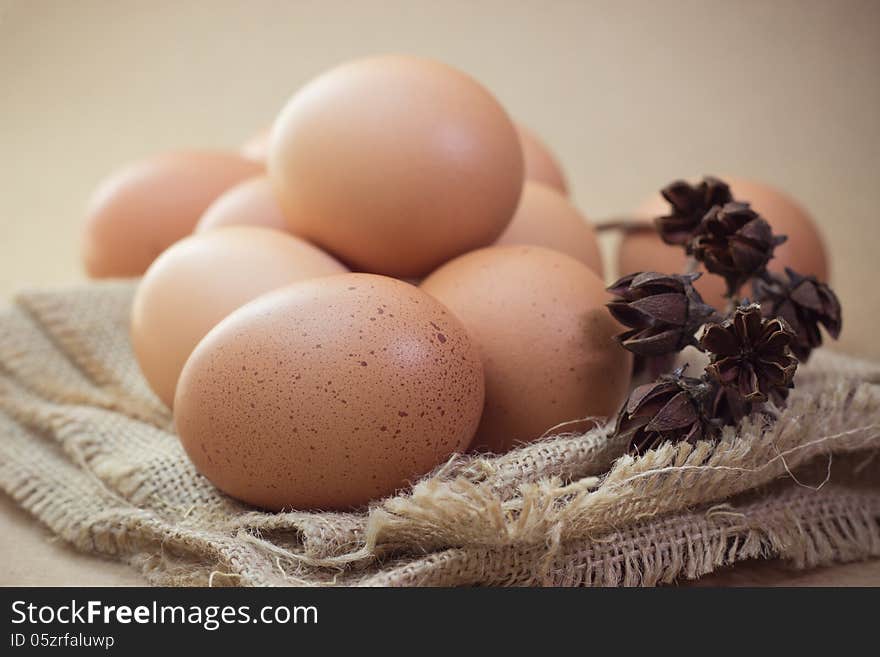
column 629, row 94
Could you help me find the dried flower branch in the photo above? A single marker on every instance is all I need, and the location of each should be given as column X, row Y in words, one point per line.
column 753, row 350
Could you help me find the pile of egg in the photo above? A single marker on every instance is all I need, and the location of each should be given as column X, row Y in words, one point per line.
column 392, row 274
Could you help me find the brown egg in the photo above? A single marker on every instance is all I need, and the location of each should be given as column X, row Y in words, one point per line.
column 540, row 163
column 251, row 202
column 643, row 250
column 141, row 210
column 329, row 393
column 546, row 338
column 257, row 147
column 396, row 164
column 203, row 278
column 804, row 251
column 545, row 217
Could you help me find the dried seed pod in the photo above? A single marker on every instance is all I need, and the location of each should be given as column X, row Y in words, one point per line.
column 728, row 407
column 663, row 312
column 734, row 242
column 689, row 204
column 750, row 355
column 804, row 303
column 673, row 408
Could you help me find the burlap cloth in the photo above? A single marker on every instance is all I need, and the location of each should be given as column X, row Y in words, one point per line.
column 88, row 450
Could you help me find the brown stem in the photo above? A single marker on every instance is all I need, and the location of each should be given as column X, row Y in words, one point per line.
column 623, row 224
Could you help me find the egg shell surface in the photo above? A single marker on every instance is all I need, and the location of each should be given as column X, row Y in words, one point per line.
column 545, row 217
column 144, row 208
column 257, row 147
column 540, row 162
column 201, row 279
column 329, row 393
column 396, row 164
column 546, row 339
column 249, row 203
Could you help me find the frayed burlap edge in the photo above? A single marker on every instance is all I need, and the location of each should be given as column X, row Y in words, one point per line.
column 85, row 448
column 797, row 525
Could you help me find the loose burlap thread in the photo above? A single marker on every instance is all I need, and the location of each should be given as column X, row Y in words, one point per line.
column 87, row 449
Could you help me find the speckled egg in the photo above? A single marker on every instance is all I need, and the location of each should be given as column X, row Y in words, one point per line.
column 329, row 393
column 545, row 336
column 201, row 279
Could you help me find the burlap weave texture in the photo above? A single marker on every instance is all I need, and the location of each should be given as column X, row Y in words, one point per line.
column 88, row 450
